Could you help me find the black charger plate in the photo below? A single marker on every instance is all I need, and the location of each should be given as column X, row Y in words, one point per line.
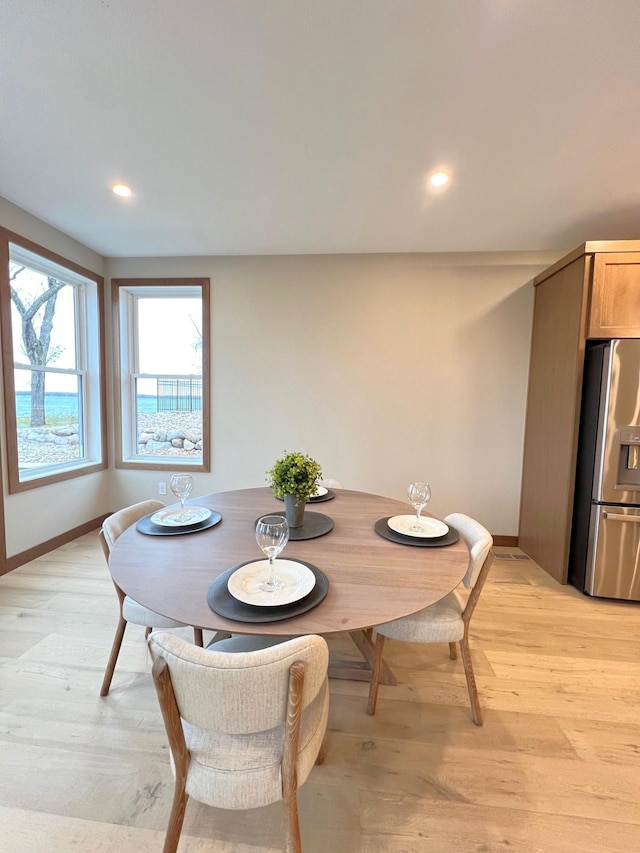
column 329, row 496
column 145, row 525
column 315, row 524
column 382, row 529
column 224, row 604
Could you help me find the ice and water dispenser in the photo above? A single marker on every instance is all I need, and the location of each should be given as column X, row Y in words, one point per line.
column 629, row 458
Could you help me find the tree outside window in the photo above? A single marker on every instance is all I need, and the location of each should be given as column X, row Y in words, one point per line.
column 34, row 298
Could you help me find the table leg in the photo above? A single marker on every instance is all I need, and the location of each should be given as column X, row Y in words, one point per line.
column 361, row 671
column 218, row 635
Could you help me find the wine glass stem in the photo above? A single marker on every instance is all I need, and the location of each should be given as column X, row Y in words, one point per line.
column 418, row 511
column 272, row 559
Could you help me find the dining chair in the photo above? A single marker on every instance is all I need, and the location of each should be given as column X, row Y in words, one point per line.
column 328, row 483
column 446, row 621
column 130, row 610
column 244, row 728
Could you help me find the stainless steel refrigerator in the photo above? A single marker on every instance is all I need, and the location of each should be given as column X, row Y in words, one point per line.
column 604, row 557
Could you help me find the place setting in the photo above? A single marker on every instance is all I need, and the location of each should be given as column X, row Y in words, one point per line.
column 413, row 529
column 271, row 589
column 321, row 494
column 177, row 520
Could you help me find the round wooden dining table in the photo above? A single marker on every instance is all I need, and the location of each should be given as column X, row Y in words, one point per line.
column 371, row 580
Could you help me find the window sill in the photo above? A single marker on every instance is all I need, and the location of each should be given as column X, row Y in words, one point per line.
column 162, row 463
column 36, row 482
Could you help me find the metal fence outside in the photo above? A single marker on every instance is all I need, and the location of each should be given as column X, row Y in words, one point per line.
column 179, row 395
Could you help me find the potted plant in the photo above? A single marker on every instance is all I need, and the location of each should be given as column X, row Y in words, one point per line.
column 294, row 478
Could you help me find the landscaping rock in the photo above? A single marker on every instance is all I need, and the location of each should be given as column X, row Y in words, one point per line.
column 154, row 444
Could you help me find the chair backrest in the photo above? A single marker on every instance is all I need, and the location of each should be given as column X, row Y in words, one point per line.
column 239, row 692
column 116, row 524
column 331, row 484
column 477, row 539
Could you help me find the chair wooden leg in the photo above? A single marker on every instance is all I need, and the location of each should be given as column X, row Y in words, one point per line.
column 113, row 657
column 453, row 651
column 293, row 841
column 476, row 710
column 375, row 676
column 179, row 751
column 176, row 818
column 197, row 637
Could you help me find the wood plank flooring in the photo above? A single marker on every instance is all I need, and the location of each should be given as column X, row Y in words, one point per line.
column 555, row 769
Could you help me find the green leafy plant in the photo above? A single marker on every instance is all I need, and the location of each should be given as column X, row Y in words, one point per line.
column 295, row 474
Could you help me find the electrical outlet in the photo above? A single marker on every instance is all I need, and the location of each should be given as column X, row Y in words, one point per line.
column 162, row 488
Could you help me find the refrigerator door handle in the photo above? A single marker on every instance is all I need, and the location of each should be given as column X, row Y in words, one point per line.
column 616, row 516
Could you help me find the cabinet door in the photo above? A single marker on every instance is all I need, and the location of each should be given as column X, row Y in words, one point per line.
column 615, row 296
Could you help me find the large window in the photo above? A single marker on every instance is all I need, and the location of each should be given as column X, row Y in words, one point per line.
column 53, row 395
column 162, row 330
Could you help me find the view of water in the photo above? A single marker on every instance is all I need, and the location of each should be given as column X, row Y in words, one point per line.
column 60, row 405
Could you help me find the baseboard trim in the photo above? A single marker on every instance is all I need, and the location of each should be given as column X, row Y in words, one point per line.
column 506, row 541
column 23, row 557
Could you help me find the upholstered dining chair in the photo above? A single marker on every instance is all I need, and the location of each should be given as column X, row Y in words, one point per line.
column 244, row 728
column 328, row 483
column 130, row 610
column 446, row 621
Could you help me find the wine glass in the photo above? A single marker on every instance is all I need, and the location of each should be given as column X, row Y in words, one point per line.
column 272, row 534
column 418, row 494
column 182, row 485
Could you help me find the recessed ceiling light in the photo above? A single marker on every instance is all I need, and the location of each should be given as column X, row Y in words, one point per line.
column 121, row 190
column 439, row 179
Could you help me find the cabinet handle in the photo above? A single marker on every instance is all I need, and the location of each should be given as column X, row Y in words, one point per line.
column 616, row 516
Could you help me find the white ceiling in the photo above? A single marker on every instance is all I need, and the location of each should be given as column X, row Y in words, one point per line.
column 309, row 126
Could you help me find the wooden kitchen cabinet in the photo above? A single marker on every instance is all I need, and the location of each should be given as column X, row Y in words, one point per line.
column 594, row 292
column 615, row 296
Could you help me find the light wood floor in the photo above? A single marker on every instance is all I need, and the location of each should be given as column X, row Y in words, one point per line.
column 556, row 766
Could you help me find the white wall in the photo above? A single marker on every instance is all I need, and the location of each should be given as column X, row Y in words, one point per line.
column 385, row 368
column 40, row 514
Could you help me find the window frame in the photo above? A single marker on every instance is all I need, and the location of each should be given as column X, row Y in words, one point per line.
column 82, row 467
column 120, row 289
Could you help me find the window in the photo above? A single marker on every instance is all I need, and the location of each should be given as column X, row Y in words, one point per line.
column 162, row 338
column 53, row 395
